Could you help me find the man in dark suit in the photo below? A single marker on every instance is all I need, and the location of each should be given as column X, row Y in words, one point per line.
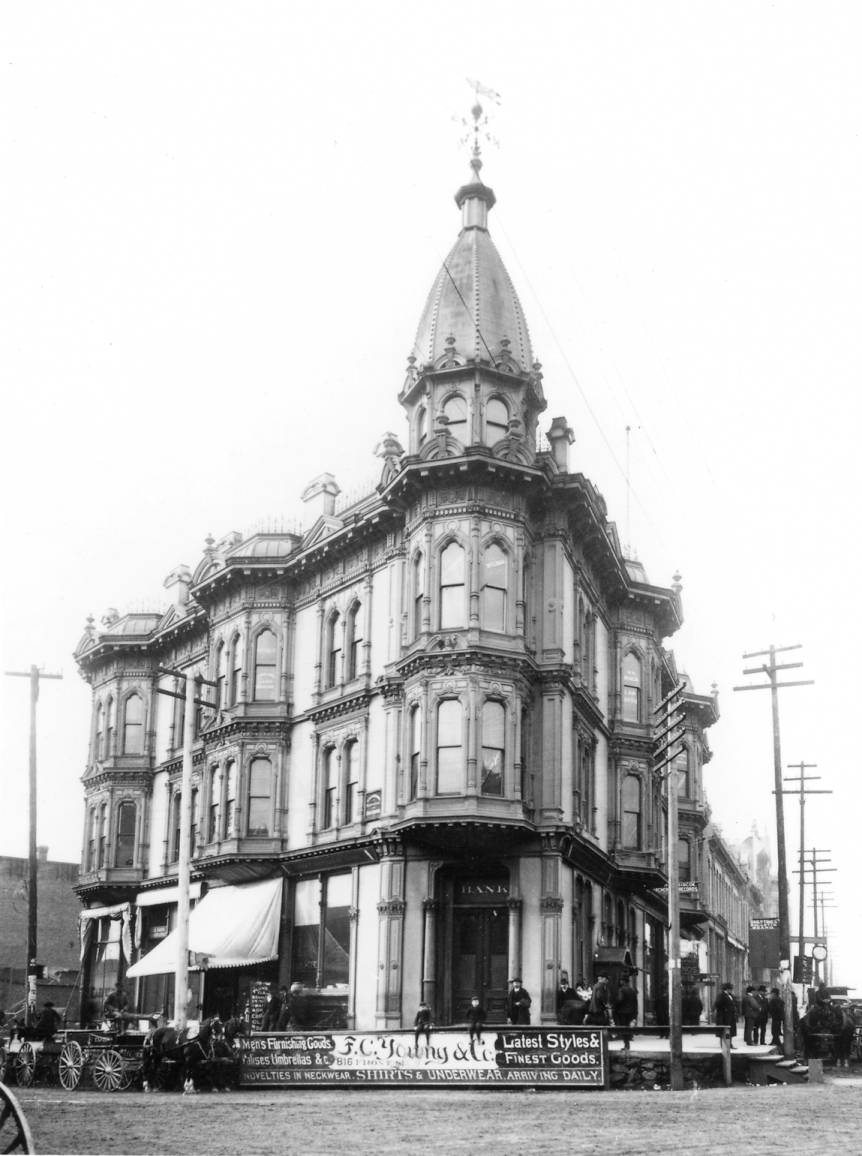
column 518, row 1003
column 725, row 1009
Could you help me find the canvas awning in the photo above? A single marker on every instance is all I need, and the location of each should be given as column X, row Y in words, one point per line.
column 165, row 895
column 231, row 926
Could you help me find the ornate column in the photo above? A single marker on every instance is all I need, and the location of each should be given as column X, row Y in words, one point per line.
column 514, row 906
column 430, row 909
column 552, row 913
column 390, row 938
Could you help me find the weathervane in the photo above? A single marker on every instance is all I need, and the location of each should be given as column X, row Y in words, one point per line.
column 478, row 130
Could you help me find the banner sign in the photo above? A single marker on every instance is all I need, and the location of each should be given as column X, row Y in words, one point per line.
column 764, row 925
column 560, row 1057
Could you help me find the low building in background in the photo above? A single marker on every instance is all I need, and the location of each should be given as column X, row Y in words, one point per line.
column 57, row 932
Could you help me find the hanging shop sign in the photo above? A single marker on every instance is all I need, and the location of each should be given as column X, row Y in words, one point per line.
column 560, row 1057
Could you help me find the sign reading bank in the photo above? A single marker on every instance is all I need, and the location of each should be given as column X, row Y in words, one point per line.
column 563, row 1057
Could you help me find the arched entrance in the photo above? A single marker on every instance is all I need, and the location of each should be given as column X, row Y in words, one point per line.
column 475, row 943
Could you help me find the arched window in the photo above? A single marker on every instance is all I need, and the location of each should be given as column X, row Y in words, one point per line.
column 221, row 676
column 631, row 688
column 682, row 768
column 451, row 587
column 193, row 821
column 236, row 669
column 415, row 749
column 354, row 641
column 124, row 852
column 176, row 807
column 455, row 410
column 230, row 800
column 109, row 728
column 215, row 804
column 264, row 667
column 133, row 726
column 330, row 787
column 421, row 427
column 103, row 835
column 450, row 753
column 92, row 838
column 417, row 584
column 494, row 587
column 99, row 736
column 259, row 796
column 493, row 748
column 496, row 421
column 333, row 649
column 351, row 787
column 631, row 813
column 684, row 854
column 179, row 711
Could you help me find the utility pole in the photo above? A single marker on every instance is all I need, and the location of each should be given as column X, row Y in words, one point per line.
column 773, row 685
column 34, row 674
column 801, row 792
column 181, row 981
column 817, row 866
column 668, row 747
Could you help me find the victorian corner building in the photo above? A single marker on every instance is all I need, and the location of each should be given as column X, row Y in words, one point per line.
column 424, row 766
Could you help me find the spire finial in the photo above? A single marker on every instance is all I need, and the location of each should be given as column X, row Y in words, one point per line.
column 479, row 127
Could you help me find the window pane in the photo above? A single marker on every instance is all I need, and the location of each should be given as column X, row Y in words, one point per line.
column 260, row 777
column 493, row 724
column 456, row 411
column 451, row 607
column 631, row 794
column 496, row 413
column 449, row 724
column 448, row 770
column 452, row 565
column 264, row 667
column 492, row 771
column 494, row 609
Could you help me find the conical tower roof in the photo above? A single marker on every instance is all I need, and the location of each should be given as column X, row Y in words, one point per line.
column 473, row 300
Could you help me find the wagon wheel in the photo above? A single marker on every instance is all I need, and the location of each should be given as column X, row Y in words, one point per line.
column 109, row 1071
column 14, row 1130
column 70, row 1065
column 25, row 1065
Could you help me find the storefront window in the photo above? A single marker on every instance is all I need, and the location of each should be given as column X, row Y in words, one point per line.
column 321, row 937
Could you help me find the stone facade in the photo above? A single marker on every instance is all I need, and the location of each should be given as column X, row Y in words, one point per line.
column 430, row 711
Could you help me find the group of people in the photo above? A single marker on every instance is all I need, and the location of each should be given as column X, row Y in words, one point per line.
column 593, row 1004
column 759, row 1009
column 286, row 1009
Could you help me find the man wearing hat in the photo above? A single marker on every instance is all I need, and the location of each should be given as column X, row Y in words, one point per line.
column 518, row 1003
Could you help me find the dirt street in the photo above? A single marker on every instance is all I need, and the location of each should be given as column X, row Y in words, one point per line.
column 822, row 1119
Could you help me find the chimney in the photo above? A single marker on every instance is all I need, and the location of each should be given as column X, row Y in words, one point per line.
column 319, row 496
column 178, row 583
column 561, row 435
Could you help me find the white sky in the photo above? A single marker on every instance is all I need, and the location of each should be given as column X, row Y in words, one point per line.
column 220, row 222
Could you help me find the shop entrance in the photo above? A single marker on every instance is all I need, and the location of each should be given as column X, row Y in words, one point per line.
column 478, row 945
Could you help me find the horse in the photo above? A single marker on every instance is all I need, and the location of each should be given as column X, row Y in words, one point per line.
column 843, row 1032
column 171, row 1056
